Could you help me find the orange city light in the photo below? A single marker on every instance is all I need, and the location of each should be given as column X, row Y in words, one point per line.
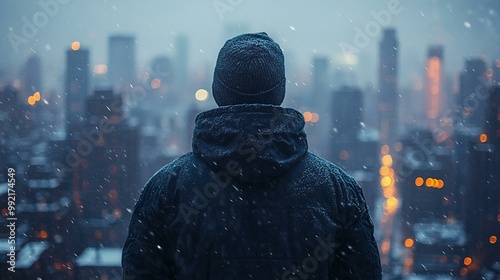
column 387, row 160
column 391, row 203
column 483, row 138
column 409, row 242
column 385, row 149
column 31, row 100
column 75, row 45
column 429, row 182
column 155, row 83
column 314, row 117
column 384, row 170
column 419, row 181
column 308, row 116
column 386, row 181
column 493, row 239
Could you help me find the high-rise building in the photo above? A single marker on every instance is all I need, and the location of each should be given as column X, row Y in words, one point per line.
column 350, row 147
column 162, row 76
column 104, row 182
column 317, row 102
column 482, row 208
column 492, row 127
column 31, row 76
column 15, row 116
column 121, row 61
column 436, row 249
column 425, row 180
column 181, row 62
column 319, row 84
column 77, row 85
column 434, row 84
column 473, row 89
column 388, row 102
column 320, row 76
column 47, row 209
column 347, row 114
column 496, row 72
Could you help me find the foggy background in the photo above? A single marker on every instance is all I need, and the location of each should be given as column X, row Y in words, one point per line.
column 382, row 85
column 303, row 29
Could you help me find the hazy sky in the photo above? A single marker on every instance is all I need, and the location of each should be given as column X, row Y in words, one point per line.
column 302, row 28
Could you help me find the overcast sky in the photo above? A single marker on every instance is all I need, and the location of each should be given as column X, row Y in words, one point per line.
column 302, row 28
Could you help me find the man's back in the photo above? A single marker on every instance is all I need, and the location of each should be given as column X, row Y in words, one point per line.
column 251, row 203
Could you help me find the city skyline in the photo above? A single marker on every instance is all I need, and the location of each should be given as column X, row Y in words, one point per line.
column 456, row 25
column 89, row 116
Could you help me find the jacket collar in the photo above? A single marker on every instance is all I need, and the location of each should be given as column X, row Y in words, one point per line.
column 263, row 141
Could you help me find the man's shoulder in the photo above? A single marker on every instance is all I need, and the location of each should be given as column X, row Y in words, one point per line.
column 172, row 169
column 318, row 164
column 325, row 172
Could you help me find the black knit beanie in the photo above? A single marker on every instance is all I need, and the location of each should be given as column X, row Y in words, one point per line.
column 250, row 69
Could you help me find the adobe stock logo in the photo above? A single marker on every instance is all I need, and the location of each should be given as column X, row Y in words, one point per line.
column 30, row 27
column 223, row 6
column 363, row 38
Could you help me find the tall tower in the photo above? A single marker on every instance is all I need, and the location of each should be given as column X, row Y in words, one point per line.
column 433, row 84
column 347, row 114
column 181, row 61
column 473, row 89
column 388, row 70
column 77, row 85
column 496, row 72
column 161, row 69
column 105, row 182
column 319, row 82
column 492, row 127
column 31, row 76
column 121, row 61
column 388, row 101
column 320, row 74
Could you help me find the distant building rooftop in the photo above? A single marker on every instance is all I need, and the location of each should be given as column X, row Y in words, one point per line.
column 101, row 257
column 4, row 245
column 434, row 233
column 362, row 175
column 430, row 277
column 3, row 188
column 30, row 253
column 43, row 183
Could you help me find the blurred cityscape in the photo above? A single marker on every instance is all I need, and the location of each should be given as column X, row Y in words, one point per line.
column 74, row 160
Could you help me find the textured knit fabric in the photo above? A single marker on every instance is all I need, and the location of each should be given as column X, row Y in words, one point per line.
column 250, row 202
column 250, row 69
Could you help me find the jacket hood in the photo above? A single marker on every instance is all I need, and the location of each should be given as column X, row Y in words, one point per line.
column 258, row 141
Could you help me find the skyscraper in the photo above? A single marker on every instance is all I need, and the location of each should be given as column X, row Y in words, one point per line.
column 351, row 147
column 121, row 61
column 481, row 208
column 388, row 103
column 77, row 85
column 181, row 62
column 320, row 75
column 105, row 181
column 388, row 70
column 496, row 72
column 347, row 114
column 492, row 127
column 346, row 128
column 433, row 84
column 473, row 89
column 31, row 75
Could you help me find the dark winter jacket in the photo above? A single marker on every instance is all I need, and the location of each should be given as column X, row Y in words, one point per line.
column 250, row 202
